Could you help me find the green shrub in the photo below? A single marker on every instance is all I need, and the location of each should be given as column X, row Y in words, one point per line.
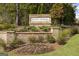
column 33, row 28
column 6, row 26
column 32, row 39
column 45, row 28
column 74, row 31
column 25, row 29
column 10, row 46
column 62, row 41
column 39, row 39
column 50, row 39
column 64, row 36
column 16, row 43
column 67, row 32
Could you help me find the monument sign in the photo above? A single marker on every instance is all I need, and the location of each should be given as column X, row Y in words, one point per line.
column 39, row 20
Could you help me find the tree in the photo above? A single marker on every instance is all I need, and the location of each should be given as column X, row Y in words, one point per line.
column 7, row 13
column 32, row 8
column 57, row 12
column 69, row 14
column 62, row 13
column 17, row 13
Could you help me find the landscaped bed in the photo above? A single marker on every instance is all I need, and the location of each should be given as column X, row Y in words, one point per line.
column 70, row 49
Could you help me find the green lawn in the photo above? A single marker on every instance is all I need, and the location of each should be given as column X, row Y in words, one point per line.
column 70, row 49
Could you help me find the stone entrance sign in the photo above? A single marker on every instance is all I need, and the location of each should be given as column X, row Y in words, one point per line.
column 39, row 20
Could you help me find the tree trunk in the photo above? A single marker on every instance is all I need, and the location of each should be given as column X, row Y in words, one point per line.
column 17, row 13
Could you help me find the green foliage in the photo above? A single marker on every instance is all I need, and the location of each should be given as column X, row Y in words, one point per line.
column 33, row 28
column 16, row 43
column 63, row 14
column 64, row 36
column 50, row 39
column 57, row 12
column 69, row 14
column 7, row 13
column 10, row 46
column 74, row 31
column 34, row 39
column 62, row 41
column 45, row 28
column 41, row 39
column 19, row 13
column 6, row 26
column 67, row 32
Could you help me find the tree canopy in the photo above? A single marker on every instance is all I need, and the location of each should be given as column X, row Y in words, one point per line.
column 18, row 13
column 63, row 13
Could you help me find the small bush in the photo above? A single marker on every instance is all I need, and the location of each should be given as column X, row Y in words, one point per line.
column 16, row 43
column 40, row 39
column 64, row 36
column 33, row 28
column 34, row 39
column 10, row 46
column 74, row 31
column 45, row 28
column 6, row 26
column 50, row 39
column 62, row 41
column 66, row 32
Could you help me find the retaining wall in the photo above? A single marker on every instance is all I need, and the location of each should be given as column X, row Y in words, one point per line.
column 8, row 36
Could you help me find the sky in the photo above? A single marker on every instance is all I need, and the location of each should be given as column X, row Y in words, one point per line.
column 77, row 9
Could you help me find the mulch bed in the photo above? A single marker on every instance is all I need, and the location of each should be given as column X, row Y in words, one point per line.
column 36, row 48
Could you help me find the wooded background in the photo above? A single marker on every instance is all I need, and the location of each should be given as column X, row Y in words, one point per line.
column 18, row 14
